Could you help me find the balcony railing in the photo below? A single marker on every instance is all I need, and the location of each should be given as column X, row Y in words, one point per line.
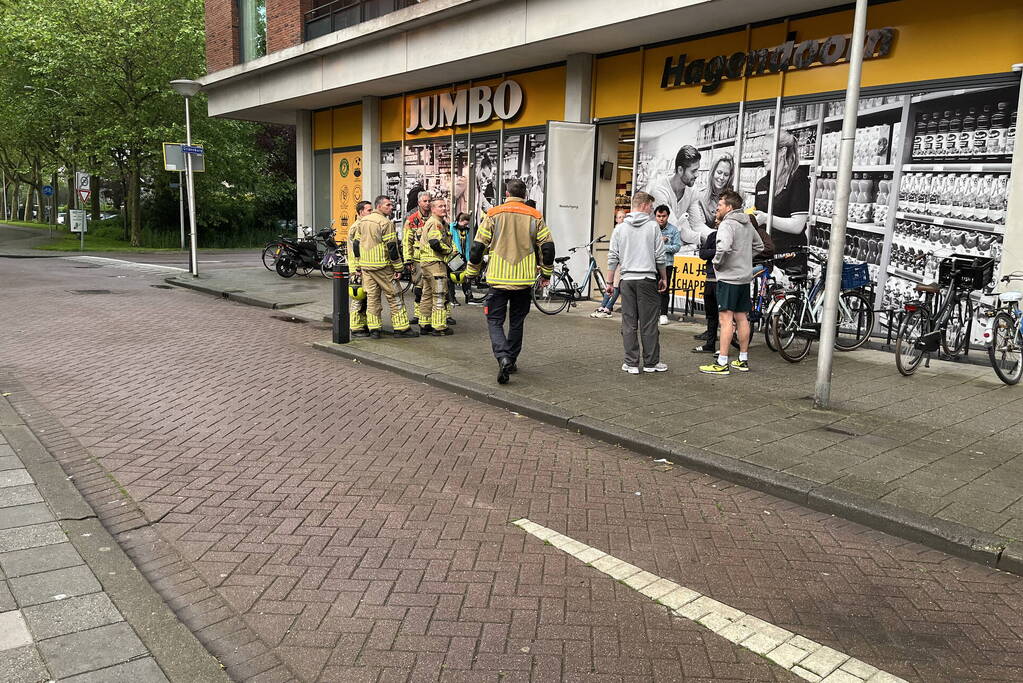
column 339, row 14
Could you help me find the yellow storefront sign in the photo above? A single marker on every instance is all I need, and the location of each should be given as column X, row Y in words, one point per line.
column 347, row 191
column 690, row 276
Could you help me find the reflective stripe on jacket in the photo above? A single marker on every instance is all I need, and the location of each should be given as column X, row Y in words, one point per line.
column 512, row 233
column 435, row 229
column 373, row 231
column 410, row 237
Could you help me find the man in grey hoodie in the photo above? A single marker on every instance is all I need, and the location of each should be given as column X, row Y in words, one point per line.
column 637, row 252
column 737, row 243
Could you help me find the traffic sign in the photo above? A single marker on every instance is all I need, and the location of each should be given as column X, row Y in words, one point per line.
column 174, row 158
column 191, row 149
column 78, row 223
column 83, row 184
column 47, row 190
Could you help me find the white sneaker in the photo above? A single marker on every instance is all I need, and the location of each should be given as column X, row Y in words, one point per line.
column 631, row 369
column 599, row 313
column 660, row 367
column 663, row 321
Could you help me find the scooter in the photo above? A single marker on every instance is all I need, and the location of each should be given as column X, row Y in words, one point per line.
column 305, row 254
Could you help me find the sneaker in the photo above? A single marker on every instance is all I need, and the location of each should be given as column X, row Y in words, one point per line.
column 740, row 365
column 475, row 302
column 704, row 349
column 407, row 333
column 660, row 367
column 703, row 336
column 663, row 320
column 631, row 369
column 601, row 313
column 714, row 369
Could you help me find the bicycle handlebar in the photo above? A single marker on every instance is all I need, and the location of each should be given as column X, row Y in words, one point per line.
column 588, row 244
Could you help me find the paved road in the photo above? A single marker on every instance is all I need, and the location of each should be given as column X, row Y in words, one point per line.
column 319, row 520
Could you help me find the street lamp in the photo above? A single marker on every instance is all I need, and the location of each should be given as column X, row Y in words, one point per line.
column 71, row 200
column 189, row 89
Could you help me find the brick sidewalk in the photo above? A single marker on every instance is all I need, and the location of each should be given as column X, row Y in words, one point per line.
column 387, row 552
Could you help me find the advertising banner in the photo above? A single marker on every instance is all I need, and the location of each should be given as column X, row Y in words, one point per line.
column 690, row 276
column 347, row 190
column 569, row 207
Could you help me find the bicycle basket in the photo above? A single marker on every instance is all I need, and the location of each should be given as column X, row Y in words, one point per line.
column 974, row 272
column 855, row 275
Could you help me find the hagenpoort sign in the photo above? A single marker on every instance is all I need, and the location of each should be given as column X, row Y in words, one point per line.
column 477, row 104
column 773, row 60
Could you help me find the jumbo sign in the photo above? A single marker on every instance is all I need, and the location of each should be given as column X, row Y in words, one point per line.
column 477, row 104
column 773, row 60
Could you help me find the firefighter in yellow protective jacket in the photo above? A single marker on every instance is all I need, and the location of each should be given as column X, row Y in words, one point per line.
column 357, row 311
column 411, row 235
column 514, row 234
column 435, row 248
column 374, row 254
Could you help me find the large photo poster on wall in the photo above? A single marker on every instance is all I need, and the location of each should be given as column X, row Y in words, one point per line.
column 524, row 156
column 427, row 167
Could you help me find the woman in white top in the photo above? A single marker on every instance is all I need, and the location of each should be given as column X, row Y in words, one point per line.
column 721, row 177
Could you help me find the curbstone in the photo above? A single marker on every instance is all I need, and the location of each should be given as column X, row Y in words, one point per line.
column 1011, row 559
column 369, row 358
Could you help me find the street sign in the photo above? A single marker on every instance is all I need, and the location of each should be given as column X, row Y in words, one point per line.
column 78, row 223
column 174, row 158
column 83, row 185
column 191, row 149
column 47, row 190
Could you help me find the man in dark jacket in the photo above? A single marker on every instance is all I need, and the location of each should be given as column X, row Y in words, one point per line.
column 710, row 301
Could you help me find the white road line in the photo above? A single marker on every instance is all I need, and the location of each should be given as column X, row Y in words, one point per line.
column 130, row 265
column 809, row 660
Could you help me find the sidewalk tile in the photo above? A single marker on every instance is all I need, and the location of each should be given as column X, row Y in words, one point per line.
column 7, row 602
column 20, row 495
column 13, row 631
column 39, row 588
column 9, row 478
column 31, row 537
column 80, row 613
column 42, row 559
column 90, row 650
column 22, row 665
column 10, row 462
column 23, row 515
column 137, row 671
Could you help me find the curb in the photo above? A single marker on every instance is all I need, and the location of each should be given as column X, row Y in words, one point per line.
column 233, row 296
column 946, row 536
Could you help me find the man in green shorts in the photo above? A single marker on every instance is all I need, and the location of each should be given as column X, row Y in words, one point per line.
column 737, row 243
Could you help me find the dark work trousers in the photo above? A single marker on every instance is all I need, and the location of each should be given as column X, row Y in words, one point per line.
column 640, row 300
column 710, row 304
column 513, row 304
column 666, row 294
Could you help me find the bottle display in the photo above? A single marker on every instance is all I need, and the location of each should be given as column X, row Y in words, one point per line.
column 964, row 196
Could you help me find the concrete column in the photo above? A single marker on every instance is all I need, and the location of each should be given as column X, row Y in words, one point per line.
column 1012, row 256
column 304, row 167
column 371, row 184
column 578, row 87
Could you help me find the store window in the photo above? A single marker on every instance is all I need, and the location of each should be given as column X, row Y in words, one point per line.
column 252, row 28
column 525, row 158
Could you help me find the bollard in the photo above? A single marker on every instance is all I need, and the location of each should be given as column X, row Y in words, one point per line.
column 342, row 325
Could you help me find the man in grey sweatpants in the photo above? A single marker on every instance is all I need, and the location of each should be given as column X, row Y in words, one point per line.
column 637, row 253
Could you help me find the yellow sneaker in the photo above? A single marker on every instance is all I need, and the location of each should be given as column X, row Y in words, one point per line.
column 714, row 369
column 740, row 365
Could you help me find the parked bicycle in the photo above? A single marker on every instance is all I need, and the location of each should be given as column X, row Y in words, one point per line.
column 1004, row 334
column 273, row 250
column 943, row 319
column 797, row 312
column 304, row 254
column 562, row 291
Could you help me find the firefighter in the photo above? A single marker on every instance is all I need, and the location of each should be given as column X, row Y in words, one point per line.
column 512, row 233
column 375, row 255
column 435, row 248
column 357, row 316
column 410, row 237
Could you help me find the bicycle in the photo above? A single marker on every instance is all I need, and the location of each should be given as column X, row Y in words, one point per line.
column 1005, row 334
column 273, row 250
column 797, row 312
column 562, row 291
column 944, row 317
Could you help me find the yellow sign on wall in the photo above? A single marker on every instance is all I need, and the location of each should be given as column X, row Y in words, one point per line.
column 346, row 191
column 690, row 276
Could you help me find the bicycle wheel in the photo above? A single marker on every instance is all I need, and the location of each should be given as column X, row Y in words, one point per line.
column 955, row 337
column 286, row 267
column 271, row 253
column 1006, row 348
column 327, row 267
column 913, row 327
column 855, row 321
column 792, row 346
column 555, row 297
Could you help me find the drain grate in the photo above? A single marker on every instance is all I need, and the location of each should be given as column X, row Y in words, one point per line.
column 90, row 291
column 289, row 319
column 162, row 286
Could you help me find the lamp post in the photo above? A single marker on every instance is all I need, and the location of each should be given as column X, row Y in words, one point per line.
column 188, row 89
column 56, row 193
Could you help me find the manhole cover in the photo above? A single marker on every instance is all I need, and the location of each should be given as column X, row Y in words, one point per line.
column 90, row 291
column 288, row 319
column 162, row 286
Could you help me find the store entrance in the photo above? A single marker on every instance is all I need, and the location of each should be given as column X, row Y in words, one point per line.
column 616, row 146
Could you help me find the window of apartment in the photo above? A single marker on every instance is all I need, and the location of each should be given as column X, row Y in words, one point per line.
column 252, row 28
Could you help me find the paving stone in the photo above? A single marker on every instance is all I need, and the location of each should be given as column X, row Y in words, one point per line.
column 9, row 478
column 24, row 515
column 677, row 598
column 7, row 602
column 861, row 670
column 79, row 613
column 22, row 665
column 20, row 495
column 43, row 587
column 34, row 560
column 13, row 631
column 137, row 671
column 824, row 661
column 10, row 462
column 89, row 650
column 31, row 536
column 787, row 655
column 840, row 676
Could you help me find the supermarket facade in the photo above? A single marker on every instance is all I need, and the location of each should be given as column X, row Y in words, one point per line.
column 589, row 101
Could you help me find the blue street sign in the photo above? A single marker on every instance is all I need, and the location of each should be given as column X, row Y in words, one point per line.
column 191, row 149
column 47, row 190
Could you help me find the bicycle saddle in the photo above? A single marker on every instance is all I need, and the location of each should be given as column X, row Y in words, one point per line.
column 927, row 289
column 562, row 259
column 1010, row 296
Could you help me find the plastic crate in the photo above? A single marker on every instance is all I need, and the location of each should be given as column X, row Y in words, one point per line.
column 974, row 272
column 855, row 275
